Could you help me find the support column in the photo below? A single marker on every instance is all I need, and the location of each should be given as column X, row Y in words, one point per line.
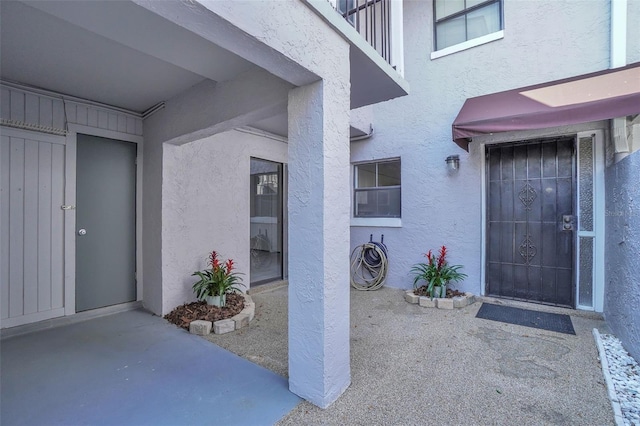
column 319, row 200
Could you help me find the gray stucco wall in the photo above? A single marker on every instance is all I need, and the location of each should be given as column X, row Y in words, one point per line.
column 622, row 252
column 543, row 41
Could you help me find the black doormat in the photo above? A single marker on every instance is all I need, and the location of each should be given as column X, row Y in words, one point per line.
column 543, row 320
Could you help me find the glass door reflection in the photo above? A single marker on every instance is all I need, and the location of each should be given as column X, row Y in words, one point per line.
column 266, row 221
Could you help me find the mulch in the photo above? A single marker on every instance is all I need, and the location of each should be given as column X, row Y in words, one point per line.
column 422, row 291
column 183, row 315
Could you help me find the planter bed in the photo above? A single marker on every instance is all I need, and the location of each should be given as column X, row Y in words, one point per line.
column 438, row 302
column 202, row 328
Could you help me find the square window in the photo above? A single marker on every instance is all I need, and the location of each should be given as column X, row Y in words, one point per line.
column 456, row 21
column 377, row 189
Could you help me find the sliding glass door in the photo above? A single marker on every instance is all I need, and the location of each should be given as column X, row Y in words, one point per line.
column 266, row 221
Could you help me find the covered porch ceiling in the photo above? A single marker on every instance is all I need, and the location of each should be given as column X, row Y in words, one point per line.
column 116, row 53
column 121, row 54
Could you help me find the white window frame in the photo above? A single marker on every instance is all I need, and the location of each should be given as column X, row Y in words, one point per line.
column 372, row 221
column 469, row 43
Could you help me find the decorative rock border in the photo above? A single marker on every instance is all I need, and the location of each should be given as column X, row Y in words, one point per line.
column 440, row 303
column 202, row 328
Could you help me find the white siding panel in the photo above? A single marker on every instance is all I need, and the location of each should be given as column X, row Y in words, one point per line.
column 32, row 108
column 82, row 115
column 16, row 228
column 71, row 111
column 57, row 227
column 113, row 121
column 131, row 125
column 92, row 117
column 44, row 229
column 122, row 123
column 58, row 114
column 17, row 106
column 28, row 319
column 5, row 155
column 5, row 103
column 103, row 119
column 46, row 112
column 51, row 111
column 30, row 227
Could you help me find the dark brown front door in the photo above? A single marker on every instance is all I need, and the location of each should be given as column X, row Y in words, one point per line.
column 530, row 203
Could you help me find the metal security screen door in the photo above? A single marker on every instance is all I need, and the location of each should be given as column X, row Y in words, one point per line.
column 530, row 221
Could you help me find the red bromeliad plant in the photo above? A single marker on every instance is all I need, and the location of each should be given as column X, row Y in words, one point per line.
column 436, row 272
column 219, row 280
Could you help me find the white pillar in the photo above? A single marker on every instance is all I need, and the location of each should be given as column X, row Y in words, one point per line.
column 618, row 58
column 397, row 36
column 618, row 54
column 319, row 205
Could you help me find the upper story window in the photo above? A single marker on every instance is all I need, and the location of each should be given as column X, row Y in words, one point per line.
column 377, row 189
column 457, row 21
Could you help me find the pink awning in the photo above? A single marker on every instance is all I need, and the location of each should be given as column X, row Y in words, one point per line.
column 591, row 97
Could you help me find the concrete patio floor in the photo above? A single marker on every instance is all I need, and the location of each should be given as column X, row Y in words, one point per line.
column 409, row 365
column 132, row 368
column 416, row 366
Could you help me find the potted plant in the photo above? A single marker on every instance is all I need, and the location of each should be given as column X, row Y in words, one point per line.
column 216, row 282
column 436, row 274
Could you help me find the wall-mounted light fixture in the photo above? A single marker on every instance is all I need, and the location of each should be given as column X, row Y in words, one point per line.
column 453, row 162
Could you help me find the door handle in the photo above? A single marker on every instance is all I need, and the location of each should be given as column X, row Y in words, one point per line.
column 567, row 222
column 82, row 231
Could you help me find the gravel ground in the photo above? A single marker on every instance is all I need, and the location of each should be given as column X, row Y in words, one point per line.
column 414, row 365
column 625, row 377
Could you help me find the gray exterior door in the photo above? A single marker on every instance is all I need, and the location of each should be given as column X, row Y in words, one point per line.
column 105, row 222
column 530, row 237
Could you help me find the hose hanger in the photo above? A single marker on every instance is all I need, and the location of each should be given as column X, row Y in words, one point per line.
column 369, row 265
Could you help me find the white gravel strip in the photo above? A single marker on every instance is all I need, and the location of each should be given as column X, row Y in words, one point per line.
column 622, row 375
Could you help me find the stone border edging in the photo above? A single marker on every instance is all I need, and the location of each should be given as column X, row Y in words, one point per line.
column 615, row 404
column 242, row 319
column 440, row 303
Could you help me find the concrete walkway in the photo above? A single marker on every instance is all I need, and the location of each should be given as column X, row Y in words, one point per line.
column 419, row 366
column 132, row 368
column 410, row 365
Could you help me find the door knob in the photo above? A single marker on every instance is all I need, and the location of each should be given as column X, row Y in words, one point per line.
column 82, row 231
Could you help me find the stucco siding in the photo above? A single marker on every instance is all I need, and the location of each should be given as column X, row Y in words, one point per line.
column 543, row 41
column 622, row 274
column 205, row 200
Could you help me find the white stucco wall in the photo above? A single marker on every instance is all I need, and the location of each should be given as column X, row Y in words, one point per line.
column 633, row 31
column 319, row 368
column 543, row 41
column 205, row 204
column 317, row 60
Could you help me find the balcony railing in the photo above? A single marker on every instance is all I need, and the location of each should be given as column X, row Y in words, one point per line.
column 372, row 19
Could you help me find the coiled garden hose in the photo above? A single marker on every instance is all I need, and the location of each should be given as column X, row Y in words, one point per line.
column 369, row 265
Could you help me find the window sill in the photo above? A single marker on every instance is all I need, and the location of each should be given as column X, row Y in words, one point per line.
column 468, row 44
column 377, row 222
